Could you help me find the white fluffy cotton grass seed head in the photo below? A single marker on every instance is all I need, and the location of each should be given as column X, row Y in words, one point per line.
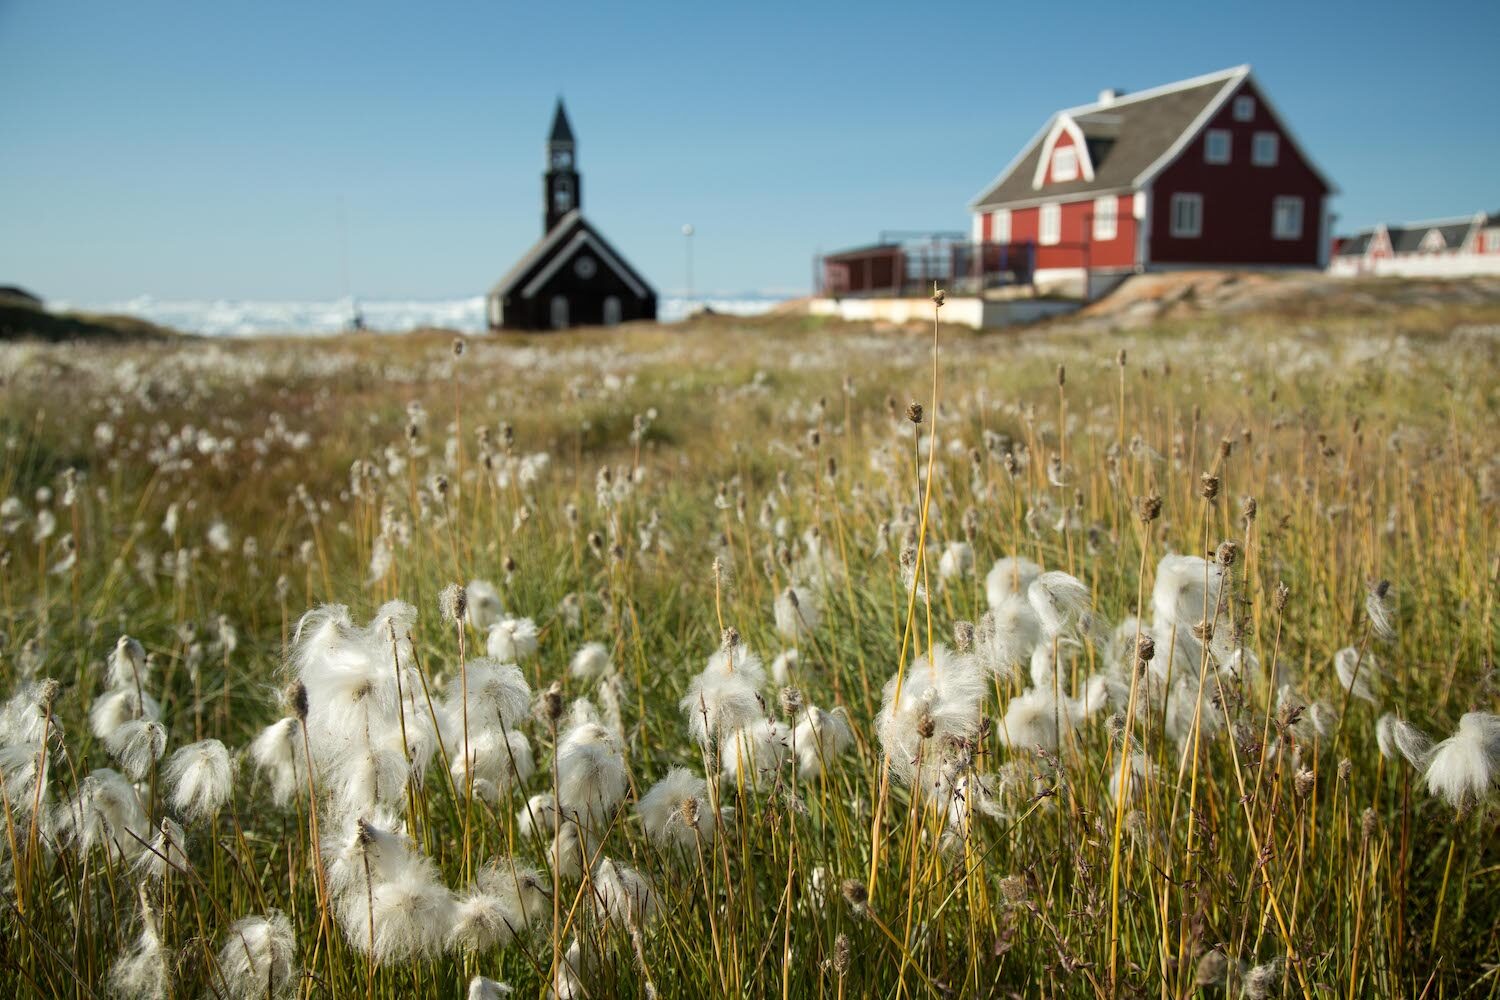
column 622, row 896
column 166, row 853
column 512, row 640
column 137, row 745
column 591, row 776
column 676, row 812
column 280, row 756
column 798, row 612
column 1063, row 604
column 113, row 709
column 127, row 664
column 1464, row 769
column 819, row 739
column 144, row 972
column 201, row 777
column 590, row 662
column 400, row 909
column 484, row 988
column 1011, row 576
column 1394, row 735
column 258, row 960
column 483, row 608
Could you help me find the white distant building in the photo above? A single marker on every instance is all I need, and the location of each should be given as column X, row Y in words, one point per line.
column 1439, row 248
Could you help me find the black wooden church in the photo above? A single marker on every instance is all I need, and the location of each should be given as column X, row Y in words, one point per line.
column 572, row 276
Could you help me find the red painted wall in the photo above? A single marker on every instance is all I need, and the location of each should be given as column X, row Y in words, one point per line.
column 1237, row 198
column 1076, row 246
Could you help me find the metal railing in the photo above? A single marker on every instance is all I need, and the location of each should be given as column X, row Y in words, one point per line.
column 903, row 264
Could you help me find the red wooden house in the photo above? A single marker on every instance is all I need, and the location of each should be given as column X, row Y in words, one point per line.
column 1201, row 173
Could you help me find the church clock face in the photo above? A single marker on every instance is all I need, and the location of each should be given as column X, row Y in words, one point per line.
column 584, row 267
column 562, row 160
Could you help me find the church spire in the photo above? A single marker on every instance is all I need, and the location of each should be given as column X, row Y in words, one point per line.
column 562, row 187
column 561, row 130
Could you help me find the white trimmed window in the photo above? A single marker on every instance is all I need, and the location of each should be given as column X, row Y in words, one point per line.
column 1216, row 146
column 1264, row 149
column 1244, row 108
column 1106, row 222
column 1000, row 226
column 1187, row 215
column 1064, row 164
column 1049, row 225
column 1286, row 218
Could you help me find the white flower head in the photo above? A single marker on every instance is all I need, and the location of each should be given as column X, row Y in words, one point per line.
column 280, row 755
column 483, row 988
column 1010, row 577
column 756, row 753
column 1062, row 603
column 798, row 613
column 591, row 661
column 524, row 890
column 717, row 704
column 820, row 738
column 258, row 960
column 106, row 812
column 956, row 562
column 512, row 640
column 166, row 852
column 485, row 608
column 622, row 896
column 400, row 909
column 201, row 776
column 137, row 745
column 1358, row 672
column 676, row 812
column 591, row 776
column 784, row 666
column 1007, row 634
column 1395, row 736
column 113, row 709
column 1464, row 768
column 936, row 702
column 127, row 664
column 145, row 971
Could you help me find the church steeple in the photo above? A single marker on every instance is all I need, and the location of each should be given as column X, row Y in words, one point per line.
column 562, row 185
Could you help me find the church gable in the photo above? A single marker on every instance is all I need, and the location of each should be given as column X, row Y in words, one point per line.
column 585, row 254
column 572, row 276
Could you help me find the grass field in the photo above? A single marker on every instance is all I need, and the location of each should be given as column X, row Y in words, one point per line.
column 759, row 552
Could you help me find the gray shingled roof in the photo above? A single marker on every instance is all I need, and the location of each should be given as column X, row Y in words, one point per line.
column 1356, row 245
column 540, row 249
column 1408, row 239
column 1127, row 135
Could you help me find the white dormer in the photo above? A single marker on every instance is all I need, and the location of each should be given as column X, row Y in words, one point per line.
column 1068, row 162
column 1433, row 242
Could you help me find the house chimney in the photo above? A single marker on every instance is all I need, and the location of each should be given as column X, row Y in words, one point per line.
column 1109, row 95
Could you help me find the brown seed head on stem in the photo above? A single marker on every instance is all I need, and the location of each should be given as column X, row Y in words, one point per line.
column 1148, row 508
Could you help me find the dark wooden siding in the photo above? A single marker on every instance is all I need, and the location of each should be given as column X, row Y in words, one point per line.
column 1238, row 198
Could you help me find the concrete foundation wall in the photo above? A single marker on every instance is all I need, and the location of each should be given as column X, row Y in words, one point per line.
column 1423, row 266
column 964, row 311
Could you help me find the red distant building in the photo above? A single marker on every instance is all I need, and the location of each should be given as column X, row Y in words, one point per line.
column 1201, row 173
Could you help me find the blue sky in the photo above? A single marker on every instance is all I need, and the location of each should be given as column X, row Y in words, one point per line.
column 196, row 150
